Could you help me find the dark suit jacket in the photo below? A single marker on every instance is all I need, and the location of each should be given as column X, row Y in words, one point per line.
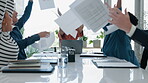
column 141, row 37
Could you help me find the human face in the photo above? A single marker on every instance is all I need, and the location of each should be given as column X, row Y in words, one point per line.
column 7, row 23
column 14, row 17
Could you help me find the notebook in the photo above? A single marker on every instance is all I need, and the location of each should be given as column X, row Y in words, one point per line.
column 92, row 55
column 28, row 66
column 113, row 63
column 27, row 70
column 75, row 44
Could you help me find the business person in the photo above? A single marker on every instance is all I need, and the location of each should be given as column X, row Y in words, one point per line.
column 117, row 43
column 123, row 22
column 16, row 34
column 8, row 46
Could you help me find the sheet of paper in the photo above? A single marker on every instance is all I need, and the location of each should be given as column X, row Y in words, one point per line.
column 74, row 34
column 69, row 22
column 111, row 28
column 111, row 62
column 92, row 13
column 46, row 4
column 45, row 55
column 44, row 43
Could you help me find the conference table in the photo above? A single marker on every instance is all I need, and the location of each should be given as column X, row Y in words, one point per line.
column 80, row 71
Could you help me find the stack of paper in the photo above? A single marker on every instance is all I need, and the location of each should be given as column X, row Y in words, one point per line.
column 31, row 64
column 92, row 55
column 113, row 63
column 27, row 66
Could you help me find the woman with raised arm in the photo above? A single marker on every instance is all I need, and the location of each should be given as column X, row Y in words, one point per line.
column 8, row 46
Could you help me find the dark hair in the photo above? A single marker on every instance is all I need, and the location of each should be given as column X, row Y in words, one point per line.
column 133, row 19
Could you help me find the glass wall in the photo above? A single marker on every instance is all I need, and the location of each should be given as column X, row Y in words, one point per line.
column 130, row 5
column 19, row 6
column 43, row 20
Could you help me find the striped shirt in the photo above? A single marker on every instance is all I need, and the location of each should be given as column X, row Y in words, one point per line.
column 8, row 46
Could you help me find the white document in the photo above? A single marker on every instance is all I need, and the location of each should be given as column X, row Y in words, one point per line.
column 44, row 43
column 46, row 4
column 112, row 62
column 111, row 28
column 92, row 13
column 45, row 55
column 69, row 22
column 74, row 34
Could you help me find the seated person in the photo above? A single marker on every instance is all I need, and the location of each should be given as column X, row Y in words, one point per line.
column 63, row 36
column 8, row 46
column 117, row 43
column 17, row 36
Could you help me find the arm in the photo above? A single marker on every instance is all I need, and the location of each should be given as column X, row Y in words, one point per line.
column 61, row 32
column 23, row 43
column 141, row 37
column 26, row 15
column 119, row 6
column 123, row 22
column 80, row 31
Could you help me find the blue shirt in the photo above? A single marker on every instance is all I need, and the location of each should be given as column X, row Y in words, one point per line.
column 117, row 44
column 16, row 34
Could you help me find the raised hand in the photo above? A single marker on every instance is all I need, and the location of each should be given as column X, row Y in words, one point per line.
column 119, row 19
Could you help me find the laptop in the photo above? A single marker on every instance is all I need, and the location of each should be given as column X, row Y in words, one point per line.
column 75, row 44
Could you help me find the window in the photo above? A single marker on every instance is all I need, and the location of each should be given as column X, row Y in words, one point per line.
column 126, row 4
column 43, row 20
column 145, row 14
column 19, row 7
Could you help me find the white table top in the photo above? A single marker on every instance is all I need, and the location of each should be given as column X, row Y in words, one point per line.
column 81, row 71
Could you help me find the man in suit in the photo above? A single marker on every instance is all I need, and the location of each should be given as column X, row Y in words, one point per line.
column 140, row 36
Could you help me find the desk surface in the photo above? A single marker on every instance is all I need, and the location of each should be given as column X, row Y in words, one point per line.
column 82, row 71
